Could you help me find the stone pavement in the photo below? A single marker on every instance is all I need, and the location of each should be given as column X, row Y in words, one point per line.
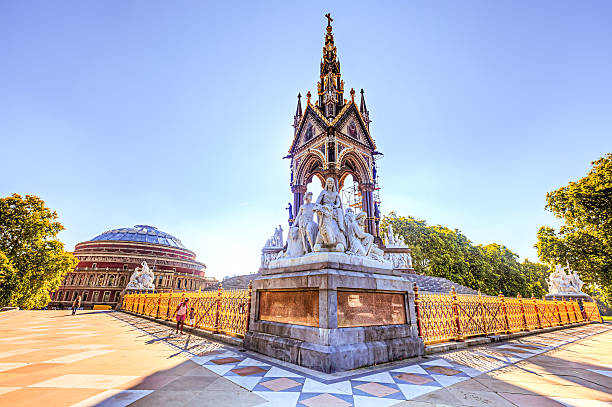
column 113, row 359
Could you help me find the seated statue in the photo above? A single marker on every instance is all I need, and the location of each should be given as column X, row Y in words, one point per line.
column 330, row 236
column 330, row 196
column 361, row 243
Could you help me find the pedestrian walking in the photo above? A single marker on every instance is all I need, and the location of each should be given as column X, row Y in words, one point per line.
column 76, row 304
column 181, row 315
column 192, row 317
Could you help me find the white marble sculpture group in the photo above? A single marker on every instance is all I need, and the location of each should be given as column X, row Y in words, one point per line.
column 335, row 230
column 142, row 278
column 402, row 260
column 561, row 282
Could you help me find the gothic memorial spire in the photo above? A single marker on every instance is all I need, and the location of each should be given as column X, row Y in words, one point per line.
column 330, row 87
column 332, row 138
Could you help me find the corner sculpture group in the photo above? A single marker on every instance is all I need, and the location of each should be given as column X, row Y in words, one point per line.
column 562, row 283
column 336, row 230
column 142, row 278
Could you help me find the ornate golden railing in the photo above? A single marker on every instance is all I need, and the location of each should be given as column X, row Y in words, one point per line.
column 447, row 317
column 591, row 312
column 221, row 311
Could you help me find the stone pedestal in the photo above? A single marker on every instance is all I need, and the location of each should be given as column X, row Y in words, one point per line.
column 400, row 257
column 573, row 297
column 333, row 312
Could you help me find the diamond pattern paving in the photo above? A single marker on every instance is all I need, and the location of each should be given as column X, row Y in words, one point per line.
column 114, row 359
column 443, row 370
column 414, row 378
column 280, row 384
column 376, row 389
column 325, row 400
column 248, row 371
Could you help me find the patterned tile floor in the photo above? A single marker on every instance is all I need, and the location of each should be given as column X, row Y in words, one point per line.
column 114, row 359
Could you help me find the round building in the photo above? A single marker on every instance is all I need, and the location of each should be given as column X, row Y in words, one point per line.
column 107, row 261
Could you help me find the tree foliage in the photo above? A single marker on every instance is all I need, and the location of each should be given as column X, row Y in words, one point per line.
column 443, row 252
column 32, row 260
column 585, row 239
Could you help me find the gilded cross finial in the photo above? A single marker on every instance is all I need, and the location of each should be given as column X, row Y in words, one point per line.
column 352, row 95
column 329, row 19
column 308, row 96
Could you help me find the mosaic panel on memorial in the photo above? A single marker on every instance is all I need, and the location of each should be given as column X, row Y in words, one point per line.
column 290, row 307
column 370, row 308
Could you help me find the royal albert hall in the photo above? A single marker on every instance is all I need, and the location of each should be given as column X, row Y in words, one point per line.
column 107, row 261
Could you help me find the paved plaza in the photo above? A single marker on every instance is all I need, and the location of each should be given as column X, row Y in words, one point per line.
column 113, row 359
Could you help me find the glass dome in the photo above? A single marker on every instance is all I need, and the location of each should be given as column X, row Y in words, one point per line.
column 143, row 234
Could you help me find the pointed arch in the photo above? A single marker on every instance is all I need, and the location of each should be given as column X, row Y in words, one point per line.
column 352, row 163
column 309, row 166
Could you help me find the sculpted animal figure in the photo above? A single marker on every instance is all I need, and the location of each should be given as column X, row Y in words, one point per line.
column 294, row 244
column 330, row 237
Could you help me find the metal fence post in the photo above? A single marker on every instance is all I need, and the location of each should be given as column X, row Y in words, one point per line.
column 168, row 308
column 456, row 313
column 159, row 298
column 523, row 313
column 485, row 328
column 505, row 311
column 417, row 309
column 558, row 310
column 248, row 310
column 219, row 293
column 535, row 302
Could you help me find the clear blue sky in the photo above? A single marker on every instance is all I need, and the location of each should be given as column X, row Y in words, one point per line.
column 177, row 114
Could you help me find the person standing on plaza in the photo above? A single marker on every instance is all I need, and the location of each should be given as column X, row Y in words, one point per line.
column 192, row 318
column 76, row 304
column 181, row 315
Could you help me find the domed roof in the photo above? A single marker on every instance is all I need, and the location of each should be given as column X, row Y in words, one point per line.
column 141, row 233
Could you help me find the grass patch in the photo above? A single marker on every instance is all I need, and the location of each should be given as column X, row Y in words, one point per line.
column 607, row 318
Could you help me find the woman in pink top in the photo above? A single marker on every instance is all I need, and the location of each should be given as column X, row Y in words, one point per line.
column 181, row 314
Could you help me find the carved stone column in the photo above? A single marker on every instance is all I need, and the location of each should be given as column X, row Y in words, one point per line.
column 367, row 192
column 298, row 197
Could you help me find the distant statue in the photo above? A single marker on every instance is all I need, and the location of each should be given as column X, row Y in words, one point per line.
column 304, row 220
column 142, row 278
column 560, row 283
column 394, row 240
column 134, row 278
column 273, row 246
column 576, row 281
column 277, row 238
column 146, row 276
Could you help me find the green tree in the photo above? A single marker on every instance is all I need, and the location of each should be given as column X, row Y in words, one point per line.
column 443, row 252
column 585, row 238
column 8, row 279
column 32, row 260
column 535, row 277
